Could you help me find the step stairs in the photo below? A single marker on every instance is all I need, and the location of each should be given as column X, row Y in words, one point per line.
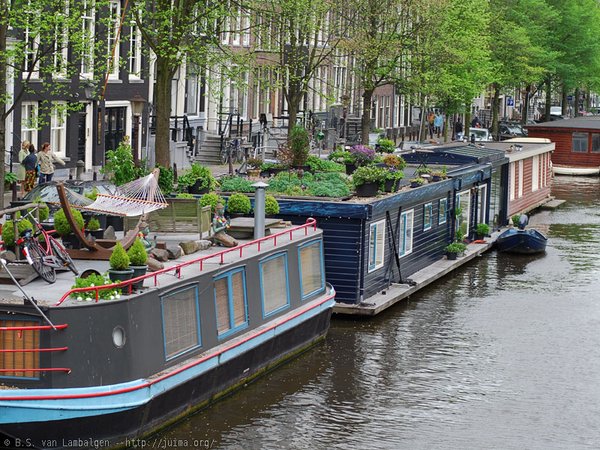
column 209, row 150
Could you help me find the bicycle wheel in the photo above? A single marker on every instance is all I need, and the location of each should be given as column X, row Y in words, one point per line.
column 37, row 261
column 239, row 154
column 60, row 252
column 225, row 155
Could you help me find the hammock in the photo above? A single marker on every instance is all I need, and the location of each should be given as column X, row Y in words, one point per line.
column 135, row 198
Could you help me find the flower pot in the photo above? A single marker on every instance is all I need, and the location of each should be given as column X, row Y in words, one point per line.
column 390, row 185
column 120, row 275
column 350, row 168
column 436, row 178
column 452, row 256
column 415, row 185
column 196, row 189
column 253, row 173
column 97, row 234
column 138, row 271
column 367, row 189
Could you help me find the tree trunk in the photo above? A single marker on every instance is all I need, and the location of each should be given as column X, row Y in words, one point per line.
column 163, row 112
column 495, row 111
column 365, row 120
column 548, row 99
column 565, row 100
column 576, row 103
column 3, row 32
column 525, row 114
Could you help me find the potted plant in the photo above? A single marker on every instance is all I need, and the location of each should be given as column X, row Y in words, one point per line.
column 137, row 262
column 94, row 279
column 211, row 199
column 394, row 162
column 438, row 175
column 93, row 226
column 362, row 155
column 482, row 230
column 385, row 145
column 254, row 167
column 271, row 205
column 455, row 249
column 299, row 144
column 423, row 171
column 197, row 180
column 367, row 179
column 63, row 227
column 416, row 182
column 119, row 265
column 9, row 179
column 391, row 180
column 238, row 204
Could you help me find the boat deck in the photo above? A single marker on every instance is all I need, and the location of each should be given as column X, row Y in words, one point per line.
column 49, row 294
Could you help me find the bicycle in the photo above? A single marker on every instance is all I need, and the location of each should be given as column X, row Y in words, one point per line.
column 232, row 150
column 44, row 259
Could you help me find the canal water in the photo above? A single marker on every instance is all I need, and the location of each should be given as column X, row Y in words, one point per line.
column 504, row 353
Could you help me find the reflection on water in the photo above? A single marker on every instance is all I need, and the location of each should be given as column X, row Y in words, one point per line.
column 503, row 353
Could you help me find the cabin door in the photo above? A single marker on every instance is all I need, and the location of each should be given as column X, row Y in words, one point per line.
column 482, row 204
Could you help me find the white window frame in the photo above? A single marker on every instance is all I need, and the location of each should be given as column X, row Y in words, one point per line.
column 442, row 218
column 60, row 45
column 31, row 47
column 466, row 212
column 58, row 128
column 406, row 232
column 111, row 38
column 427, row 208
column 88, row 26
column 376, row 245
column 29, row 122
column 135, row 51
column 482, row 194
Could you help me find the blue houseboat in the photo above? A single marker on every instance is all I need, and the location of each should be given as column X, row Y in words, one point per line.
column 370, row 244
column 98, row 373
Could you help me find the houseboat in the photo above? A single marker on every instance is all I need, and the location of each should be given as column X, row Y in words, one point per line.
column 106, row 372
column 577, row 144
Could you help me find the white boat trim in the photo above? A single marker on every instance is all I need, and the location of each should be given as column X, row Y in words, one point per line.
column 572, row 170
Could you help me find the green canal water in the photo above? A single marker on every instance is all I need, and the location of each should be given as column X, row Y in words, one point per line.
column 502, row 354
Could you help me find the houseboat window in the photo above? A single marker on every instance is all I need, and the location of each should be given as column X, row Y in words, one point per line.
column 230, row 301
column 595, row 143
column 482, row 205
column 406, row 232
column 580, row 142
column 376, row 245
column 427, row 216
column 443, row 212
column 463, row 205
column 12, row 341
column 274, row 284
column 312, row 279
column 181, row 321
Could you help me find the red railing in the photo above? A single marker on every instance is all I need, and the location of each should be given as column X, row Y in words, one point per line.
column 310, row 223
column 36, row 327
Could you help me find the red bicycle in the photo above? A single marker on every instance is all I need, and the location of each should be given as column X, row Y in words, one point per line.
column 43, row 252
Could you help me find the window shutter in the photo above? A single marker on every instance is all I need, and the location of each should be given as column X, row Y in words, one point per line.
column 222, row 304
column 239, row 304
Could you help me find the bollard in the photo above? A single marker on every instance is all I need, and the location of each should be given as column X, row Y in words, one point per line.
column 259, row 209
column 80, row 167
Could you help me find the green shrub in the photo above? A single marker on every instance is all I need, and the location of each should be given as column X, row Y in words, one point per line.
column 197, row 172
column 271, row 205
column 119, row 167
column 165, row 179
column 236, row 184
column 93, row 224
column 118, row 258
column 8, row 230
column 211, row 199
column 393, row 175
column 61, row 224
column 94, row 280
column 10, row 178
column 386, row 145
column 299, row 143
column 317, row 164
column 137, row 254
column 483, row 229
column 341, row 157
column 326, row 184
column 238, row 204
column 184, row 195
column 368, row 174
column 92, row 194
column 43, row 211
column 456, row 247
column 515, row 219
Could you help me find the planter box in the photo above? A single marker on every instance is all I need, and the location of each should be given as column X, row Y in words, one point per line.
column 183, row 215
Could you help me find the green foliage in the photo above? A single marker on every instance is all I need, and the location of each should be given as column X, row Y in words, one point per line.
column 119, row 167
column 368, row 174
column 238, row 204
column 271, row 205
column 93, row 224
column 137, row 253
column 165, row 179
column 317, row 164
column 341, row 157
column 397, row 162
column 386, row 145
column 91, row 281
column 299, row 143
column 184, row 195
column 254, row 163
column 461, row 232
column 43, row 211
column 8, row 231
column 423, row 171
column 197, row 172
column 418, row 180
column 515, row 219
column 326, row 184
column 62, row 226
column 393, row 175
column 211, row 199
column 92, row 195
column 483, row 229
column 119, row 260
column 456, row 247
column 10, row 178
column 236, row 184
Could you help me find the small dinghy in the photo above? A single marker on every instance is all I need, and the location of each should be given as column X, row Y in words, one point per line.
column 520, row 240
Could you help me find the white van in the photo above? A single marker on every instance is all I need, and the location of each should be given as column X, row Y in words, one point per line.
column 481, row 135
column 556, row 110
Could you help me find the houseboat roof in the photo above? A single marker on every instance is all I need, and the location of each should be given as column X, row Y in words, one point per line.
column 584, row 123
column 456, row 154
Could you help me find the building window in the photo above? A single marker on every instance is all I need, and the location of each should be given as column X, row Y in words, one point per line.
column 580, row 142
column 274, row 285
column 405, row 245
column 443, row 211
column 181, row 321
column 312, row 271
column 31, row 41
column 88, row 32
column 376, row 245
column 29, row 122
column 427, row 216
column 192, row 91
column 111, row 36
column 60, row 42
column 230, row 302
column 463, row 212
column 595, row 143
column 58, row 128
column 135, row 50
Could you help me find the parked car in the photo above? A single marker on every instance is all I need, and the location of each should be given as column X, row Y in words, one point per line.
column 509, row 130
column 480, row 135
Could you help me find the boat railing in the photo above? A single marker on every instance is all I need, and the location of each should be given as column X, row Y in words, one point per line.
column 176, row 269
column 20, row 329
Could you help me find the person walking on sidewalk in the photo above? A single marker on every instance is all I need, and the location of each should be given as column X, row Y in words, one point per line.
column 30, row 164
column 21, row 169
column 46, row 159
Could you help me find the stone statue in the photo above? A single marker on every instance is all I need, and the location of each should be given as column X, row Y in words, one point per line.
column 220, row 224
column 143, row 235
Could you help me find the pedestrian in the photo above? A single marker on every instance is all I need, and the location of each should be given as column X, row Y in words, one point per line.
column 438, row 123
column 430, row 120
column 458, row 129
column 475, row 123
column 46, row 159
column 30, row 164
column 21, row 169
